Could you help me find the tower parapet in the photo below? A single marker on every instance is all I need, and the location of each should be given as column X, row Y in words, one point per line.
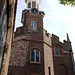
column 33, row 3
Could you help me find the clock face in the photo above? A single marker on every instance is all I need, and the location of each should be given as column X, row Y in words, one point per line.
column 34, row 12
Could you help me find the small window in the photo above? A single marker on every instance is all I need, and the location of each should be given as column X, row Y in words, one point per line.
column 56, row 51
column 49, row 71
column 29, row 5
column 35, row 56
column 33, row 4
column 59, row 51
column 34, row 25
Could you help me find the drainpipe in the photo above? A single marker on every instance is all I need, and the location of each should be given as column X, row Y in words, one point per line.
column 72, row 59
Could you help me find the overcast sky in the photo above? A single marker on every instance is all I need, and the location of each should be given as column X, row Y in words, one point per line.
column 58, row 19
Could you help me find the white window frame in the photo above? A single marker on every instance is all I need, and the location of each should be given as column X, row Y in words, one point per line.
column 35, row 56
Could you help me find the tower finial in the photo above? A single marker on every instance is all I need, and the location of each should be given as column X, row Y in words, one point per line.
column 68, row 38
column 33, row 3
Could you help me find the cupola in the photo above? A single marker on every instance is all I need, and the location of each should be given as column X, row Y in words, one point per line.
column 33, row 3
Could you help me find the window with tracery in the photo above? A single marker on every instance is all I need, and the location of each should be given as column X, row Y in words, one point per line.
column 58, row 50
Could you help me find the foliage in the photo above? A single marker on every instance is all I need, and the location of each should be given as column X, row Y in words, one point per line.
column 68, row 2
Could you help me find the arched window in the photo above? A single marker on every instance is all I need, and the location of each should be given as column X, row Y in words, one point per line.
column 34, row 25
column 35, row 55
column 56, row 51
column 59, row 49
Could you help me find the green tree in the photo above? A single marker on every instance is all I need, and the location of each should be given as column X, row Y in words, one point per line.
column 68, row 2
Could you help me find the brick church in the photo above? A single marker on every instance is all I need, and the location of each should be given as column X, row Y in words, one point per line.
column 36, row 52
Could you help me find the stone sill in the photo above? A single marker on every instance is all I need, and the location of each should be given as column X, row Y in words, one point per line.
column 35, row 63
column 34, row 30
column 58, row 56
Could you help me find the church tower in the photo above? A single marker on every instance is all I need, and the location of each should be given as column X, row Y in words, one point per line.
column 31, row 52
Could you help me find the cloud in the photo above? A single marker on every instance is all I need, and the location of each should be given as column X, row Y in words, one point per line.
column 59, row 19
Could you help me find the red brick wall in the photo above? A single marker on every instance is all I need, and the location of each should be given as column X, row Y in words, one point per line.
column 28, row 17
column 24, row 42
column 18, row 57
column 62, row 63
